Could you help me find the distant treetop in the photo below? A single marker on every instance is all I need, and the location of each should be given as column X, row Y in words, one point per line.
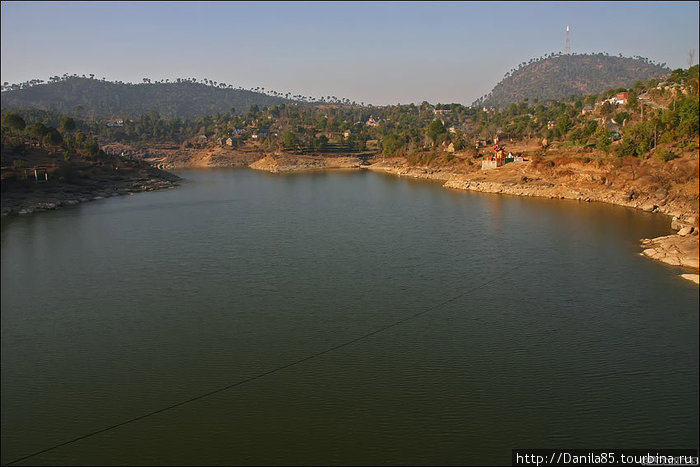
column 181, row 98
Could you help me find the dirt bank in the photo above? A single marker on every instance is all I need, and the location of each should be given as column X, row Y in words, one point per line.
column 288, row 163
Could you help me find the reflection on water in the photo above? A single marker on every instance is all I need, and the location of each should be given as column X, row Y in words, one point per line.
column 117, row 308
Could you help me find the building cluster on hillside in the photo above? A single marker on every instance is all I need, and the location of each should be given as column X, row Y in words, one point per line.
column 371, row 122
column 620, row 98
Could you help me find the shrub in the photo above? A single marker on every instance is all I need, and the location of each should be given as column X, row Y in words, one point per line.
column 625, row 148
column 664, row 154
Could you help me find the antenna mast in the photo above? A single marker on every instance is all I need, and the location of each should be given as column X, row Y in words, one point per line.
column 567, row 48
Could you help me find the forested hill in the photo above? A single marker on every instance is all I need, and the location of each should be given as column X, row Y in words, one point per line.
column 93, row 98
column 557, row 76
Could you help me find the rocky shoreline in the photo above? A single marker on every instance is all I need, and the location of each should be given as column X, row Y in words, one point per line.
column 27, row 197
column 282, row 164
column 680, row 249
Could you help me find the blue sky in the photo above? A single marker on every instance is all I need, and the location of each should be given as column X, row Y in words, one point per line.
column 372, row 52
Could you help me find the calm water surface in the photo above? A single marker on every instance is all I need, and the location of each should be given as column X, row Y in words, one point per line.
column 560, row 334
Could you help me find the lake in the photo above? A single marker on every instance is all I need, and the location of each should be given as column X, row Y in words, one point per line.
column 339, row 318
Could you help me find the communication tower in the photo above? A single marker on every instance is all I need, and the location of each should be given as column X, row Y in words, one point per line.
column 567, row 48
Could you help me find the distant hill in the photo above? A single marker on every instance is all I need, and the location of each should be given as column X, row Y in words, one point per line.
column 559, row 76
column 93, row 98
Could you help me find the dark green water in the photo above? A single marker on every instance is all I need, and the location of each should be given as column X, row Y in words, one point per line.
column 560, row 334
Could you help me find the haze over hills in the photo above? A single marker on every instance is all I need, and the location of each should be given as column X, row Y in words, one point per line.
column 87, row 97
column 557, row 76
column 554, row 76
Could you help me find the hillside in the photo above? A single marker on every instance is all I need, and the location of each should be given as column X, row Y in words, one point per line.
column 559, row 76
column 93, row 98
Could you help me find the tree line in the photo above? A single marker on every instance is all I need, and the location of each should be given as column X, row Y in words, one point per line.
column 409, row 130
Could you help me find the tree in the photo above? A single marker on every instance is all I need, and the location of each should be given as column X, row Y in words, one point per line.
column 79, row 137
column 253, row 110
column 603, row 139
column 13, row 121
column 436, row 130
column 607, row 109
column 92, row 147
column 320, row 143
column 391, row 144
column 53, row 137
column 563, row 125
column 459, row 142
column 67, row 125
column 289, row 139
column 37, row 130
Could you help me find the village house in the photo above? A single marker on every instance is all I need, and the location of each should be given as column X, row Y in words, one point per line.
column 116, row 123
column 612, row 127
column 229, row 141
column 372, row 122
column 260, row 134
column 200, row 141
column 587, row 110
column 346, row 134
column 551, row 125
column 622, row 98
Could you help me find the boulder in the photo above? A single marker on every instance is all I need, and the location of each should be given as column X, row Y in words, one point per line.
column 692, row 220
column 685, row 231
column 661, row 193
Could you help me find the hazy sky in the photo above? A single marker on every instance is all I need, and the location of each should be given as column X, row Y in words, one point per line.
column 379, row 53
